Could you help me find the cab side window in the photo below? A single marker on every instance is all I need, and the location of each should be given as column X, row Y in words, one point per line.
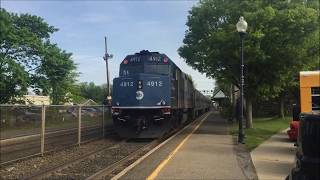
column 315, row 98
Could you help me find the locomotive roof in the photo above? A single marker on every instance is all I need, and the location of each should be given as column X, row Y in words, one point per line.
column 146, row 56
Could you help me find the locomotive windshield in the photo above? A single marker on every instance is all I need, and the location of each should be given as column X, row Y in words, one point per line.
column 161, row 69
column 144, row 64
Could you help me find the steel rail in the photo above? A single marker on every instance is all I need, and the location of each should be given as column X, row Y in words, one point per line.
column 32, row 144
column 22, row 138
column 132, row 156
column 46, row 172
column 109, row 169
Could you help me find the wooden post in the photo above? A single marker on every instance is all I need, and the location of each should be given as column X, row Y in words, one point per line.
column 79, row 126
column 43, row 126
column 103, row 119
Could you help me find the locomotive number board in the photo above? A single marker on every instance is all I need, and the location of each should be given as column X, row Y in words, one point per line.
column 154, row 83
column 126, row 84
column 148, row 83
column 139, row 59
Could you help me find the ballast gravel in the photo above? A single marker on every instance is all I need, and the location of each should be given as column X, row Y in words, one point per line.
column 30, row 166
column 105, row 158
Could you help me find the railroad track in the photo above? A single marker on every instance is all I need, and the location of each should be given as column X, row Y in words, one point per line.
column 15, row 149
column 103, row 163
column 109, row 171
column 92, row 162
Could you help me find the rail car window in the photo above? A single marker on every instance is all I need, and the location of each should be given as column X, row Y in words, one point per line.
column 315, row 98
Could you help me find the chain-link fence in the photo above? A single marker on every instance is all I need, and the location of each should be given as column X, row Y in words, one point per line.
column 34, row 130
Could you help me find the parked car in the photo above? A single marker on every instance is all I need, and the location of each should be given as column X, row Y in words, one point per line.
column 294, row 124
column 307, row 165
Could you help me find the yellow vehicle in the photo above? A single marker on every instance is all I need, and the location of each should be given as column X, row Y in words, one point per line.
column 307, row 163
column 309, row 100
column 309, row 91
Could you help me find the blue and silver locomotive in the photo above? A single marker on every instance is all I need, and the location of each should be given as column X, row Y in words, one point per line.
column 151, row 95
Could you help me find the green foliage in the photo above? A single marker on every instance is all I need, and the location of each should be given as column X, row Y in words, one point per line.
column 282, row 39
column 92, row 91
column 56, row 74
column 263, row 129
column 28, row 59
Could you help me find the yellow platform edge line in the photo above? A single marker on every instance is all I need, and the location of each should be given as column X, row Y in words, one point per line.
column 155, row 173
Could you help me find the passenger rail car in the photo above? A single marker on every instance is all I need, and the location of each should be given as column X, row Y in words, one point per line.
column 151, row 96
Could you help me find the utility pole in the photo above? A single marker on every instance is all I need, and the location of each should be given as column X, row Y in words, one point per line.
column 106, row 57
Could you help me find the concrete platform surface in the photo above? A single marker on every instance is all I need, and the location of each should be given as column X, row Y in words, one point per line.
column 274, row 158
column 205, row 153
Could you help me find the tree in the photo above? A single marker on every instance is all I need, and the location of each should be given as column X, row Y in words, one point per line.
column 25, row 51
column 279, row 43
column 92, row 91
column 56, row 75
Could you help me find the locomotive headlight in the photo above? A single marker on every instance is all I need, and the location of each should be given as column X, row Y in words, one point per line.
column 163, row 103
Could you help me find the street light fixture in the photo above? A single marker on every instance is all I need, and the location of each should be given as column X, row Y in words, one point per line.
column 242, row 26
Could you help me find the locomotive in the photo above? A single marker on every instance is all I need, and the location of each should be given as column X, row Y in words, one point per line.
column 152, row 95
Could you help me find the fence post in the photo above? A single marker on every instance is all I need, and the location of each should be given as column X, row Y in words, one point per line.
column 43, row 126
column 79, row 125
column 103, row 119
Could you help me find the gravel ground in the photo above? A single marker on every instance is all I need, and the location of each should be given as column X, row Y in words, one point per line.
column 14, row 150
column 244, row 160
column 99, row 161
column 24, row 168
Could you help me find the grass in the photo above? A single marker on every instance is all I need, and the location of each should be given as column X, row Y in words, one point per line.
column 263, row 129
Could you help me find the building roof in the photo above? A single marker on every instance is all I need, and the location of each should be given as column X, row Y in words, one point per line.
column 89, row 102
column 219, row 95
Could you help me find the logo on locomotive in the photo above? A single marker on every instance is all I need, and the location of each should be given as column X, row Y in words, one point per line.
column 139, row 95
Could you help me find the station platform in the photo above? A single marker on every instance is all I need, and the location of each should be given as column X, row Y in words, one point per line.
column 202, row 150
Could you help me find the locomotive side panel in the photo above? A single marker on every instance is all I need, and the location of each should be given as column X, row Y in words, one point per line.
column 174, row 87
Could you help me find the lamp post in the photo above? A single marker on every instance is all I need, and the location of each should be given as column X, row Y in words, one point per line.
column 106, row 57
column 241, row 28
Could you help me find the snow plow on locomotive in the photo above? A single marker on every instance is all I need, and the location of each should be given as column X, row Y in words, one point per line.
column 152, row 96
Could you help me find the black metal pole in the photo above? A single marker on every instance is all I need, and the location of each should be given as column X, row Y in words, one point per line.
column 241, row 124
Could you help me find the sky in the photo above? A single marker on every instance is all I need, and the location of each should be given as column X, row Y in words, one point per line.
column 130, row 26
